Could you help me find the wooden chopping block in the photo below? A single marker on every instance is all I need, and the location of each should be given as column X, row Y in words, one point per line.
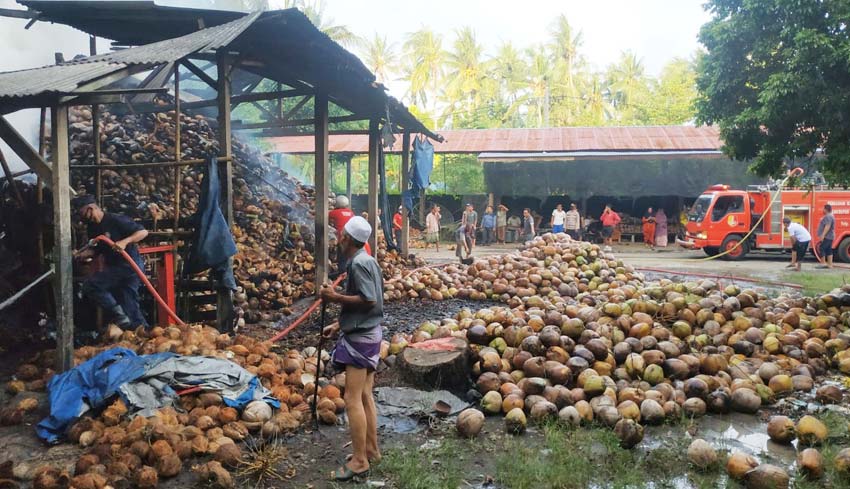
column 438, row 363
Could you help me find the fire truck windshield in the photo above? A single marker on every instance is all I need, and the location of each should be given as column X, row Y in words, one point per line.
column 700, row 207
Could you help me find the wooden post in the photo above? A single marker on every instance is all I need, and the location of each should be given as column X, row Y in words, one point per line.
column 39, row 185
column 178, row 151
column 322, row 170
column 10, row 178
column 374, row 147
column 348, row 159
column 95, row 136
column 405, row 182
column 422, row 205
column 92, row 45
column 224, row 301
column 62, row 252
column 224, row 131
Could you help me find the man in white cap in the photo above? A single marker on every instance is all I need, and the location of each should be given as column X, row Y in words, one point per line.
column 800, row 239
column 358, row 349
column 338, row 218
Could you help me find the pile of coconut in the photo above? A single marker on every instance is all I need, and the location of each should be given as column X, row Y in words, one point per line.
column 121, row 450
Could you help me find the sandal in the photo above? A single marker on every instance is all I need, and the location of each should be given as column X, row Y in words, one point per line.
column 344, row 473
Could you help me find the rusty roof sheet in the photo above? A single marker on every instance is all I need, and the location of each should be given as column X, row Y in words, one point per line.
column 558, row 139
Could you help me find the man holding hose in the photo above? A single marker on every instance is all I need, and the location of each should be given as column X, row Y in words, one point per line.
column 116, row 288
column 358, row 349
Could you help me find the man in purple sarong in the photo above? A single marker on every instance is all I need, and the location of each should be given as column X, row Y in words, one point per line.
column 359, row 346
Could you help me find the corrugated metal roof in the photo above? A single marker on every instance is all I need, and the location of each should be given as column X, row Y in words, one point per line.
column 51, row 79
column 546, row 140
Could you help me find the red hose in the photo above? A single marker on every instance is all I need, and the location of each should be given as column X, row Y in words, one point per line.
column 142, row 276
column 304, row 316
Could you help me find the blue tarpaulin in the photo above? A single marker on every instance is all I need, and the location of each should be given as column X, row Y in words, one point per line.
column 423, row 164
column 145, row 383
column 212, row 244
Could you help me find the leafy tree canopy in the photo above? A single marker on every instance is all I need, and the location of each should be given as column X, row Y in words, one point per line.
column 776, row 80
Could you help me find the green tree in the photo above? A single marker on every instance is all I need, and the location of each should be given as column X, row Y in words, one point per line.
column 673, row 96
column 628, row 85
column 379, row 56
column 424, row 66
column 775, row 79
column 466, row 75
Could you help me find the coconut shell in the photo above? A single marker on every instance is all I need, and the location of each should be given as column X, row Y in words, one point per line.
column 767, row 476
column 811, row 431
column 147, row 478
column 810, row 463
column 469, row 423
column 515, row 421
column 228, row 455
column 738, row 464
column 781, row 429
column 214, row 476
column 841, row 462
column 701, row 454
column 629, row 432
column 88, row 481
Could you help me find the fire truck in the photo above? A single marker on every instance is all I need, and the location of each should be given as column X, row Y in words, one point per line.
column 723, row 217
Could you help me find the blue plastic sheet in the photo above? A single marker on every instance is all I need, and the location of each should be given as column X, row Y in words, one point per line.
column 423, row 164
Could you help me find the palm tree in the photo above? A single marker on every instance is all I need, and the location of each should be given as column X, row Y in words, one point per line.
column 564, row 48
column 379, row 56
column 508, row 71
column 626, row 78
column 596, row 110
column 424, row 60
column 315, row 11
column 466, row 72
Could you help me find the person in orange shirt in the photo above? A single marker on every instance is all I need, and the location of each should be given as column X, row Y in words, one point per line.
column 397, row 225
column 338, row 218
column 609, row 219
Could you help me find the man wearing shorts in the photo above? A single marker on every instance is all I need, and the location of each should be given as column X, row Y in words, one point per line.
column 826, row 235
column 609, row 219
column 358, row 349
column 559, row 218
column 432, row 227
column 800, row 239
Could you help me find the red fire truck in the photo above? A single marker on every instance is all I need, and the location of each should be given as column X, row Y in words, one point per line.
column 721, row 218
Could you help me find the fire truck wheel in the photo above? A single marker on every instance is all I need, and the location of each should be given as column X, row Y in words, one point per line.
column 711, row 250
column 730, row 242
column 844, row 250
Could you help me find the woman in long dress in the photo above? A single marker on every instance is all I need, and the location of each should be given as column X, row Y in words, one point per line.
column 648, row 221
column 661, row 229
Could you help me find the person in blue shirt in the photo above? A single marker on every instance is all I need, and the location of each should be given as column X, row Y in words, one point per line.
column 488, row 222
column 116, row 288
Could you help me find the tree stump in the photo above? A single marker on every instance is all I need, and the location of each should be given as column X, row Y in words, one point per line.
column 439, row 363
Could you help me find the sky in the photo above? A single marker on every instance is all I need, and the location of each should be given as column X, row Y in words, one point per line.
column 656, row 30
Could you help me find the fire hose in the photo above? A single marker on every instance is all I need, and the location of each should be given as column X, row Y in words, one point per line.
column 305, row 315
column 142, row 276
column 791, row 173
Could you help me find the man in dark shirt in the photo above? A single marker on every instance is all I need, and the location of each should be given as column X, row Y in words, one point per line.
column 826, row 235
column 116, row 288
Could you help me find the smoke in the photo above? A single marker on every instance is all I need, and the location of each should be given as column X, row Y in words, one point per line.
column 22, row 49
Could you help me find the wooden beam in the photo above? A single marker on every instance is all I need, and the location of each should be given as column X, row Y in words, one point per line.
column 178, row 150
column 93, row 86
column 23, row 149
column 291, row 112
column 405, row 183
column 224, row 297
column 297, row 122
column 62, row 252
column 201, row 74
column 322, row 163
column 374, row 148
column 18, row 14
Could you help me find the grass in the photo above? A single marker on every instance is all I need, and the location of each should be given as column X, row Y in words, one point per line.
column 592, row 457
column 437, row 466
column 819, row 282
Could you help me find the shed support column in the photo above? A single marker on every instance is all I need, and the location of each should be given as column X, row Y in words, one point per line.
column 405, row 183
column 322, row 162
column 372, row 196
column 62, row 252
column 348, row 159
column 224, row 301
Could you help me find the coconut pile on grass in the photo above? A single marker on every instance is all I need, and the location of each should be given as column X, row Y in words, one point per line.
column 581, row 330
column 139, row 451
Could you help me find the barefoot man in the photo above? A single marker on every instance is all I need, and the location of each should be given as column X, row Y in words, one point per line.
column 359, row 346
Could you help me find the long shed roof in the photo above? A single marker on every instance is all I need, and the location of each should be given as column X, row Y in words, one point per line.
column 281, row 45
column 546, row 140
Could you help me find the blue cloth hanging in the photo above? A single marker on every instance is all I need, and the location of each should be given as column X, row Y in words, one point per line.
column 384, row 202
column 423, row 164
column 213, row 246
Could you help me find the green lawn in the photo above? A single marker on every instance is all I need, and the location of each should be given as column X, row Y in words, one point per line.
column 819, row 281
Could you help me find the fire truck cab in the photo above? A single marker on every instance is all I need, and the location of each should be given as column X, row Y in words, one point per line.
column 723, row 217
